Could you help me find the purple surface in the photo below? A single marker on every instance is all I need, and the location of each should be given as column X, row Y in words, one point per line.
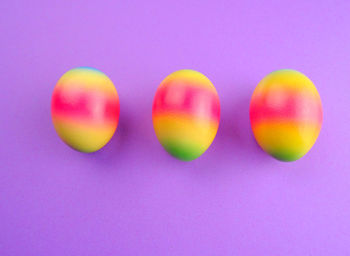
column 132, row 198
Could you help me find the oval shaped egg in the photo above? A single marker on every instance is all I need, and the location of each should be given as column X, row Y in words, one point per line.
column 85, row 109
column 186, row 114
column 286, row 114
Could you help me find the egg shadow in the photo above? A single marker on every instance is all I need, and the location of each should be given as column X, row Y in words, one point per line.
column 113, row 152
column 234, row 148
column 239, row 131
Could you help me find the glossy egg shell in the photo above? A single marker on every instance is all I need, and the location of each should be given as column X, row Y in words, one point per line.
column 286, row 114
column 186, row 114
column 85, row 109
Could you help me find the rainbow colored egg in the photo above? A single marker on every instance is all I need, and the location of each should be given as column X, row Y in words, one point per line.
column 85, row 109
column 186, row 114
column 286, row 114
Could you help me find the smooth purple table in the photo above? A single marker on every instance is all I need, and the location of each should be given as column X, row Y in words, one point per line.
column 132, row 198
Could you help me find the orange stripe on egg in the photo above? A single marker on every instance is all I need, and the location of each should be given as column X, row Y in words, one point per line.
column 199, row 132
column 85, row 136
column 292, row 139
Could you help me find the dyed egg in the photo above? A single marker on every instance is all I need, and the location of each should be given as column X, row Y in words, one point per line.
column 286, row 114
column 85, row 109
column 186, row 114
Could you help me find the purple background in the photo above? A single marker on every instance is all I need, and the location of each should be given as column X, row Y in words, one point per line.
column 132, row 198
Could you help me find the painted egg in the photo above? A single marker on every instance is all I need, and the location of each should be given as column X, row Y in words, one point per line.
column 85, row 109
column 286, row 114
column 186, row 114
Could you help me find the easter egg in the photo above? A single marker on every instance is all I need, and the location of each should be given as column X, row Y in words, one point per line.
column 186, row 114
column 286, row 114
column 85, row 109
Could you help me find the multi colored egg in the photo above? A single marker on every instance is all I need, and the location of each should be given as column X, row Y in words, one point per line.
column 286, row 114
column 186, row 114
column 85, row 109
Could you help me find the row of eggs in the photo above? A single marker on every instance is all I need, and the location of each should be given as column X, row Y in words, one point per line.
column 285, row 112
